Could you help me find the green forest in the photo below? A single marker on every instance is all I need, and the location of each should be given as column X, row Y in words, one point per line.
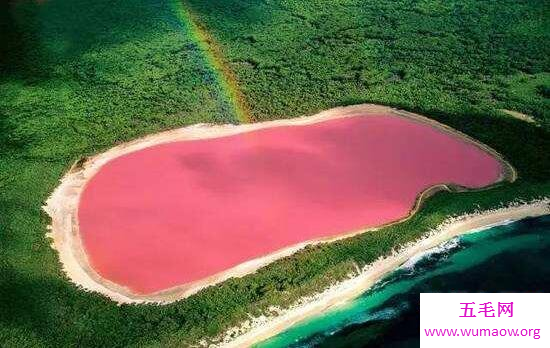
column 79, row 76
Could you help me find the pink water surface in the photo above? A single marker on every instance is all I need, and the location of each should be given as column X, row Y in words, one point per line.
column 176, row 213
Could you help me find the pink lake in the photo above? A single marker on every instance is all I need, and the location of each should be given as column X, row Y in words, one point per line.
column 177, row 213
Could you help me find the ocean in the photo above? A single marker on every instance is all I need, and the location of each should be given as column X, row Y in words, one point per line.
column 512, row 257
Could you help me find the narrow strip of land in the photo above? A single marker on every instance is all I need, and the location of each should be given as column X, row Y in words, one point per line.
column 260, row 329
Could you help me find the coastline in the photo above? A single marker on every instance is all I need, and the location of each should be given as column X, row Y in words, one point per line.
column 261, row 328
column 62, row 205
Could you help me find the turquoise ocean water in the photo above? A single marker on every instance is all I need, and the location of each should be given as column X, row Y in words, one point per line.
column 514, row 257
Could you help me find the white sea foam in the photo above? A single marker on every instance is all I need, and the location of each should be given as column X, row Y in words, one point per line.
column 440, row 249
column 386, row 314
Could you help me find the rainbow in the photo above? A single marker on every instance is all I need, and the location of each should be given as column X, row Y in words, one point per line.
column 214, row 57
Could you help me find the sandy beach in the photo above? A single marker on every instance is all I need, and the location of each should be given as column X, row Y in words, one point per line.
column 261, row 328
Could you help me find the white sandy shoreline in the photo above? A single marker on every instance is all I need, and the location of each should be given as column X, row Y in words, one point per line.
column 261, row 328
